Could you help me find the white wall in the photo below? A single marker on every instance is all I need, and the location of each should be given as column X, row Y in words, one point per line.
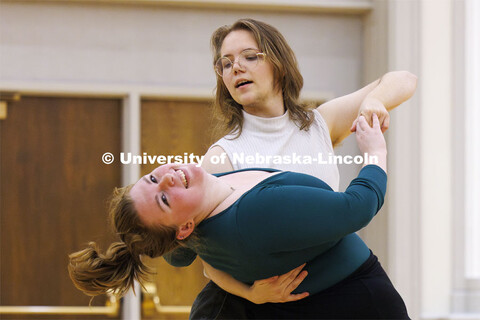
column 428, row 151
column 161, row 46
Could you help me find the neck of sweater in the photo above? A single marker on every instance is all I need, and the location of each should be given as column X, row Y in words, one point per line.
column 259, row 124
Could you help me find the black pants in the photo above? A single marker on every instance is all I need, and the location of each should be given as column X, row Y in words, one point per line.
column 366, row 294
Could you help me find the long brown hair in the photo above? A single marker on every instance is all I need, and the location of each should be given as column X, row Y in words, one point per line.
column 287, row 77
column 114, row 272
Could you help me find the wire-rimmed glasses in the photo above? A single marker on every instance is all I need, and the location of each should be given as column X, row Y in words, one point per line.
column 248, row 58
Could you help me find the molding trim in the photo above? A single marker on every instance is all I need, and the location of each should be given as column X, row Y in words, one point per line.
column 123, row 91
column 306, row 6
column 452, row 316
column 131, row 142
column 106, row 90
column 465, row 295
column 375, row 64
column 472, row 134
column 459, row 283
column 404, row 198
column 131, row 135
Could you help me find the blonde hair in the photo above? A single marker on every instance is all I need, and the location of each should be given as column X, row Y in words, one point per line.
column 287, row 77
column 114, row 272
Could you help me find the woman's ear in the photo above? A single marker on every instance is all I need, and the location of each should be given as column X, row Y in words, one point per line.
column 185, row 230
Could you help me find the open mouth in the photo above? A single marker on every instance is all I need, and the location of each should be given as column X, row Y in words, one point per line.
column 183, row 177
column 242, row 83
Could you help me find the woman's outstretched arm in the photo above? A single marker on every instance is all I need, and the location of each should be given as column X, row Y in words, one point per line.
column 380, row 96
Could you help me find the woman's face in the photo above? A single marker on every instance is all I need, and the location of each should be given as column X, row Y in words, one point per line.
column 259, row 90
column 170, row 194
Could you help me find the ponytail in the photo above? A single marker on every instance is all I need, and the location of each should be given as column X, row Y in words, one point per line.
column 95, row 273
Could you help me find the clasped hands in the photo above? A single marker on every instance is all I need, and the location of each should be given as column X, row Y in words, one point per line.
column 368, row 107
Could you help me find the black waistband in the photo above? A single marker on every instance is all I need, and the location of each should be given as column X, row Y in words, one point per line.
column 371, row 265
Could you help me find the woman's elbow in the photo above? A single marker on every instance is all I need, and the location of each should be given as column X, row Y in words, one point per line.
column 366, row 217
column 363, row 212
column 411, row 80
column 408, row 81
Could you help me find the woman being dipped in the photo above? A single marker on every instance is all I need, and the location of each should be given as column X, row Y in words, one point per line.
column 254, row 224
column 258, row 88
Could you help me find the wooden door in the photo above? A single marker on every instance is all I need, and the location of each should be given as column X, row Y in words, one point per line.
column 53, row 191
column 175, row 128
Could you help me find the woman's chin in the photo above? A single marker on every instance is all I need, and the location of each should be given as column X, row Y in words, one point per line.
column 247, row 100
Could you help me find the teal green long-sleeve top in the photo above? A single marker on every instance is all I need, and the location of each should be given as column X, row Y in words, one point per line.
column 286, row 220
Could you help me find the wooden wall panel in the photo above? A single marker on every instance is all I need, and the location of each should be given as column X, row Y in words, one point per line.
column 175, row 128
column 54, row 188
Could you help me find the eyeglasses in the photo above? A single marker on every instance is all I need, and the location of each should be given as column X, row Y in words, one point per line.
column 248, row 58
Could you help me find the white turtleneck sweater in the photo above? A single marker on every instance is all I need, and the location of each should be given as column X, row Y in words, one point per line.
column 280, row 144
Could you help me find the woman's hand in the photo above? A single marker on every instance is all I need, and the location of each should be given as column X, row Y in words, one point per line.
column 274, row 289
column 369, row 107
column 279, row 288
column 371, row 141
